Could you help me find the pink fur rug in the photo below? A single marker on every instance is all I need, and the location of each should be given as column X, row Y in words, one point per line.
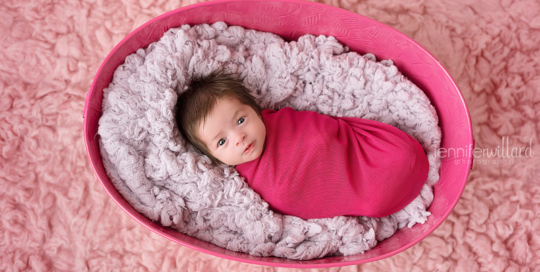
column 55, row 216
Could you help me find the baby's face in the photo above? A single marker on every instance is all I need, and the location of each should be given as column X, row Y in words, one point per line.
column 233, row 132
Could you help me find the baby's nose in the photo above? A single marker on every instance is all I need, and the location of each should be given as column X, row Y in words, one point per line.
column 241, row 139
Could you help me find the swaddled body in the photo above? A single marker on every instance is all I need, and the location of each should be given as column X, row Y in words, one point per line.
column 318, row 166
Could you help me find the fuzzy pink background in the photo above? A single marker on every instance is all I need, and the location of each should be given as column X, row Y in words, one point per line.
column 55, row 216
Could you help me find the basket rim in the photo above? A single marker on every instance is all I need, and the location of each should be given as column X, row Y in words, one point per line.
column 278, row 262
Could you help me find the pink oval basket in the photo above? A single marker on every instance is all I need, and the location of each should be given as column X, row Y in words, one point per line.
column 292, row 19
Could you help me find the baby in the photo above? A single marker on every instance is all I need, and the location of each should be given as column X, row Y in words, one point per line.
column 303, row 163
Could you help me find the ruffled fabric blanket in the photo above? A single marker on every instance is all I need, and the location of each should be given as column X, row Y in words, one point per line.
column 164, row 178
column 55, row 216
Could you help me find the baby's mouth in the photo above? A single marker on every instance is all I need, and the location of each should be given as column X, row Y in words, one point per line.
column 249, row 147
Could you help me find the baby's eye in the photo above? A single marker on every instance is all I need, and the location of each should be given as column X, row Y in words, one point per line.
column 242, row 120
column 221, row 142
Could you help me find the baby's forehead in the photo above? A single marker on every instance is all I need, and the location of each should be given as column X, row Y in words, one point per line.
column 208, row 124
column 223, row 109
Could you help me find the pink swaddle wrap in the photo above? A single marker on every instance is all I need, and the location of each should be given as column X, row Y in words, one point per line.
column 318, row 166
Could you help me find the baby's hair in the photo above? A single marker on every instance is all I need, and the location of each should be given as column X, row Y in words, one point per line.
column 198, row 101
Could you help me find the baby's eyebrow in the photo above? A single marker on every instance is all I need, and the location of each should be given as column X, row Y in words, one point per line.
column 216, row 135
column 232, row 119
